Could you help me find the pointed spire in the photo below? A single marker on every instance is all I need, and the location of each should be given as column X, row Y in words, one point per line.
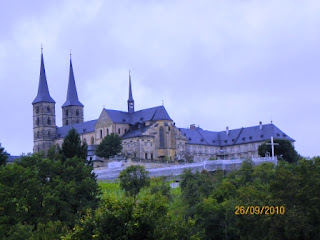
column 130, row 90
column 130, row 100
column 43, row 90
column 72, row 95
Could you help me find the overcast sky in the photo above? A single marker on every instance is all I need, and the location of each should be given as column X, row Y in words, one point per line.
column 213, row 63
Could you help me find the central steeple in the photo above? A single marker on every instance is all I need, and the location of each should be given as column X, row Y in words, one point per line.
column 72, row 109
column 130, row 100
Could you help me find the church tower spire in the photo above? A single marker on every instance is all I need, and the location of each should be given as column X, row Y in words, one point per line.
column 72, row 109
column 44, row 120
column 130, row 100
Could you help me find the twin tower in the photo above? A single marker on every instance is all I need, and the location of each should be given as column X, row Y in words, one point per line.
column 44, row 118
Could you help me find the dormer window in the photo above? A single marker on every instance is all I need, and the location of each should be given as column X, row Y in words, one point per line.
column 123, row 120
column 284, row 135
column 243, row 138
column 261, row 135
column 250, row 137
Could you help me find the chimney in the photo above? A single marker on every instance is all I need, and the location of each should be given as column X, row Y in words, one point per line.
column 260, row 125
column 192, row 126
column 227, row 130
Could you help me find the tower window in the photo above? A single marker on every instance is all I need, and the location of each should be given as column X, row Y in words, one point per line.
column 100, row 133
column 161, row 137
column 48, row 109
column 92, row 140
column 37, row 110
column 67, row 122
column 77, row 112
column 38, row 121
column 67, row 113
column 49, row 121
column 49, row 134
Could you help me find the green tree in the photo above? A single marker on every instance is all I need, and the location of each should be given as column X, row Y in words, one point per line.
column 39, row 190
column 285, row 150
column 109, row 146
column 72, row 146
column 133, row 178
column 3, row 156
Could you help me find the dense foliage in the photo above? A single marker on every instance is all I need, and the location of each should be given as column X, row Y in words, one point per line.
column 57, row 197
column 3, row 156
column 109, row 146
column 72, row 146
column 133, row 178
column 41, row 198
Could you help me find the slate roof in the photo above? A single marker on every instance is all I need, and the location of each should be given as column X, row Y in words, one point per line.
column 81, row 128
column 72, row 95
column 136, row 132
column 43, row 90
column 149, row 114
column 235, row 136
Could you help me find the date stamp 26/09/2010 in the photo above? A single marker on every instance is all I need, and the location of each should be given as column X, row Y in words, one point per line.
column 257, row 210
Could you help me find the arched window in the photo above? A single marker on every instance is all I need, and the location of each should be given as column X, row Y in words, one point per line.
column 67, row 112
column 49, row 133
column 48, row 109
column 77, row 112
column 146, row 155
column 84, row 140
column 161, row 137
column 67, row 122
column 119, row 131
column 37, row 110
column 49, row 121
column 125, row 130
column 100, row 133
column 38, row 121
column 151, row 156
column 107, row 131
column 92, row 140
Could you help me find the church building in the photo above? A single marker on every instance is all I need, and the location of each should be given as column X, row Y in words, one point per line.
column 146, row 134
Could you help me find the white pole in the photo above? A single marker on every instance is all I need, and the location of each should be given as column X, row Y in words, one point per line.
column 272, row 148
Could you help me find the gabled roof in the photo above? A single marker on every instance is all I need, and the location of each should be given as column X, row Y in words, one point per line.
column 149, row 114
column 81, row 128
column 43, row 90
column 72, row 95
column 235, row 136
